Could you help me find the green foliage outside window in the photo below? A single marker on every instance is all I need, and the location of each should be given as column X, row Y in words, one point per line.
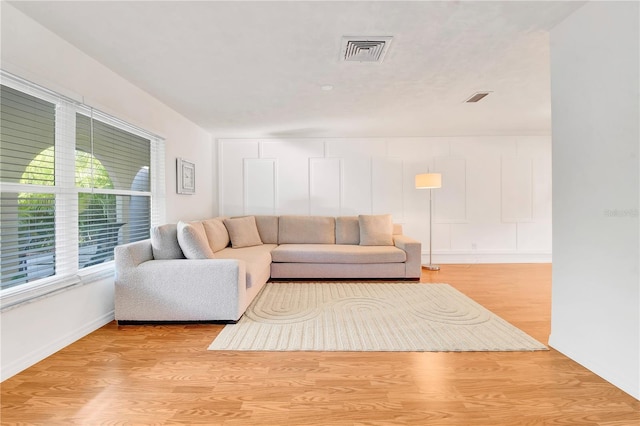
column 36, row 210
column 94, row 210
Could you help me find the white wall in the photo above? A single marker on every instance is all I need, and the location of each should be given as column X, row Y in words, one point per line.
column 596, row 114
column 32, row 331
column 494, row 206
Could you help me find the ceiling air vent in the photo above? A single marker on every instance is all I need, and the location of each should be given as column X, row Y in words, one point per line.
column 364, row 49
column 477, row 97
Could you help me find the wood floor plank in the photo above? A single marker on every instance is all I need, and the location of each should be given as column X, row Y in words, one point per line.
column 164, row 374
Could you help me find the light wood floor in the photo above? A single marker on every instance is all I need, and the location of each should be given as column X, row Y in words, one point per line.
column 143, row 375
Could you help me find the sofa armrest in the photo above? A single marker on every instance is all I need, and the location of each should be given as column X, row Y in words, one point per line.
column 132, row 254
column 413, row 248
column 181, row 290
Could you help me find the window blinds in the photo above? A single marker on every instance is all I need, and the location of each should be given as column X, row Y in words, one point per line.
column 112, row 166
column 74, row 183
column 28, row 129
column 27, row 213
column 122, row 153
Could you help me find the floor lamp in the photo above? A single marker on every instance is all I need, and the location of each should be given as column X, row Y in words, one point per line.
column 429, row 181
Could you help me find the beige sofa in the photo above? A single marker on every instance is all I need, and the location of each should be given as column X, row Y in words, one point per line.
column 211, row 270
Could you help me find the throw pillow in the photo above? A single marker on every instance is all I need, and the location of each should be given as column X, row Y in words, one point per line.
column 243, row 231
column 216, row 233
column 193, row 240
column 376, row 230
column 164, row 242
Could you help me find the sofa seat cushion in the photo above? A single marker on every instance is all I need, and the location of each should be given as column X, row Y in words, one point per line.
column 337, row 253
column 256, row 258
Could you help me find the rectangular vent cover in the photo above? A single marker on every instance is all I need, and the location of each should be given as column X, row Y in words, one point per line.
column 477, row 97
column 364, row 49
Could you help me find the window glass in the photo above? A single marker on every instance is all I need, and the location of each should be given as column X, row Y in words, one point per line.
column 28, row 237
column 110, row 158
column 106, row 220
column 27, row 128
column 122, row 154
column 27, row 231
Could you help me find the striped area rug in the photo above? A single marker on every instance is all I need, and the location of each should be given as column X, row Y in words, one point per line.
column 329, row 316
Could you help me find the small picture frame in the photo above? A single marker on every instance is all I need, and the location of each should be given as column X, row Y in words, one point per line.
column 185, row 176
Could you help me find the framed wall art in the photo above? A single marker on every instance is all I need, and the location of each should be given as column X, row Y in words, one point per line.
column 185, row 176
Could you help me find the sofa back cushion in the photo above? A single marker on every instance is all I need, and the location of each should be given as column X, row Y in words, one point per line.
column 347, row 230
column 376, row 230
column 268, row 228
column 193, row 240
column 217, row 234
column 164, row 242
column 306, row 230
column 243, row 231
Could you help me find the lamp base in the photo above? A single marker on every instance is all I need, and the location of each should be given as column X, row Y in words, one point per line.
column 431, row 267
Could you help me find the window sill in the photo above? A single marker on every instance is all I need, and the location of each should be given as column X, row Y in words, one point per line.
column 46, row 287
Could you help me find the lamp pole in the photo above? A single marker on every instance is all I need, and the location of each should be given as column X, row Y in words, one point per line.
column 431, row 266
column 430, row 181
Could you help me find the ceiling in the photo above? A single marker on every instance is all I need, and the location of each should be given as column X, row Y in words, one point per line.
column 256, row 69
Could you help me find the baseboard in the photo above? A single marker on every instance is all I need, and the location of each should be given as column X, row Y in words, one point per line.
column 487, row 257
column 622, row 382
column 177, row 322
column 38, row 355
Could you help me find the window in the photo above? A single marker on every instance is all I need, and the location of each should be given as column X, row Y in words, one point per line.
column 75, row 183
column 111, row 166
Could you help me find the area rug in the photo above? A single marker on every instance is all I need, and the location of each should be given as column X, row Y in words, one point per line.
column 369, row 317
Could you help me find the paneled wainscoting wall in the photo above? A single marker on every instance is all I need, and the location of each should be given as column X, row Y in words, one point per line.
column 494, row 204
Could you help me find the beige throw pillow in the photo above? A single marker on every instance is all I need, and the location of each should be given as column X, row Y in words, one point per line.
column 193, row 240
column 376, row 230
column 243, row 232
column 216, row 233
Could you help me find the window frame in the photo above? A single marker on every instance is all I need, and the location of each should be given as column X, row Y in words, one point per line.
column 67, row 272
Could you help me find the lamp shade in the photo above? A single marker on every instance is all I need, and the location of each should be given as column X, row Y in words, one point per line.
column 428, row 180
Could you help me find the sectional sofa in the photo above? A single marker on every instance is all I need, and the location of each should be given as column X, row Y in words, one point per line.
column 211, row 270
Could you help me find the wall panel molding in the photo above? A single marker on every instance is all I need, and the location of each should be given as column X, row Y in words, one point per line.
column 387, row 187
column 260, row 186
column 325, row 186
column 495, row 193
column 450, row 204
column 516, row 180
